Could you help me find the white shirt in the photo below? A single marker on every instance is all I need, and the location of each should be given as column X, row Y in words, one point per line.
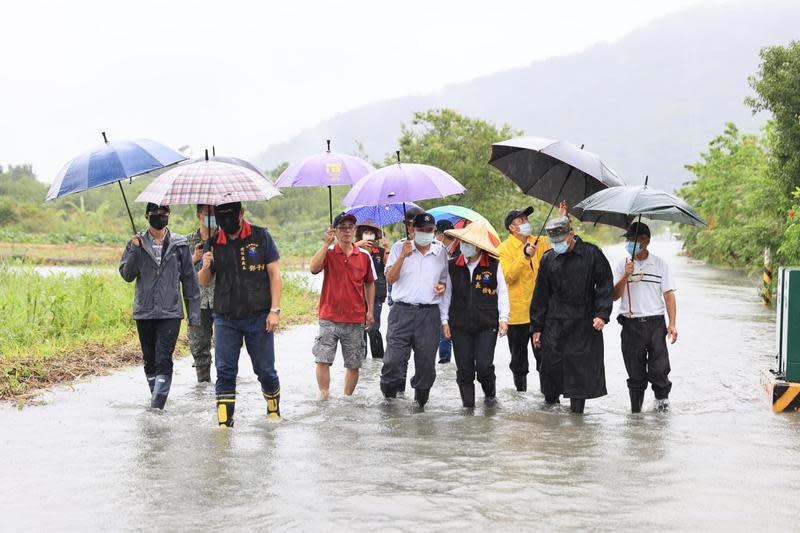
column 644, row 293
column 419, row 274
column 502, row 293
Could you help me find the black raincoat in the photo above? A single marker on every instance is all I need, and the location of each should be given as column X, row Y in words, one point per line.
column 571, row 290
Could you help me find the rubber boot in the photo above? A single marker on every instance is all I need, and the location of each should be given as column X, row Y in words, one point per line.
column 662, row 405
column 151, row 382
column 637, row 398
column 160, row 391
column 521, row 382
column 226, row 404
column 467, row 395
column 551, row 400
column 273, row 405
column 421, row 397
column 388, row 391
column 489, row 394
column 203, row 374
column 576, row 405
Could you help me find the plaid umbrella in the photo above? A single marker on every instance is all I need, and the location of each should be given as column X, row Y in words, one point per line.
column 208, row 182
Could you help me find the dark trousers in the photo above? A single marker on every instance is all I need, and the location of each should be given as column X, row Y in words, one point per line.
column 374, row 333
column 411, row 328
column 260, row 347
column 519, row 338
column 474, row 353
column 158, row 338
column 644, row 349
column 200, row 339
column 445, row 348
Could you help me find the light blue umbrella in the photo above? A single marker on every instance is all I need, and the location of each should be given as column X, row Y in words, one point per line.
column 112, row 162
column 382, row 215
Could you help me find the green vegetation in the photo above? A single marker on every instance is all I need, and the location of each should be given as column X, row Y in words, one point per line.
column 746, row 183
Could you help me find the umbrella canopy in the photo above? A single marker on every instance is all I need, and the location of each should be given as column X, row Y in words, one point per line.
column 478, row 234
column 553, row 171
column 208, row 182
column 109, row 163
column 231, row 161
column 402, row 182
column 460, row 216
column 382, row 215
column 636, row 200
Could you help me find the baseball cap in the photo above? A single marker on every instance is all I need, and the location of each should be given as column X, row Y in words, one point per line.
column 515, row 213
column 424, row 220
column 342, row 217
column 411, row 212
column 557, row 229
column 443, row 225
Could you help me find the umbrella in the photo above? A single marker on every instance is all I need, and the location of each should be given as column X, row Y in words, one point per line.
column 112, row 162
column 460, row 216
column 402, row 182
column 553, row 171
column 637, row 200
column 478, row 233
column 326, row 169
column 229, row 160
column 382, row 215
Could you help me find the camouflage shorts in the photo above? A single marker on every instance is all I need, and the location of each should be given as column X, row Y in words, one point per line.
column 351, row 337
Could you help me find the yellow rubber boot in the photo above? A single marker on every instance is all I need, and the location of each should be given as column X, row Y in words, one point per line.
column 226, row 403
column 273, row 405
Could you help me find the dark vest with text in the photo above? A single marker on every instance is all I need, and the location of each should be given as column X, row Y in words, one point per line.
column 241, row 288
column 473, row 305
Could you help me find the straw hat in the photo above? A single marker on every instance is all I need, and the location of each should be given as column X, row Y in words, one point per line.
column 477, row 234
column 370, row 224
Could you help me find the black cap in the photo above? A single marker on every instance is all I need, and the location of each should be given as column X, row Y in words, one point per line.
column 341, row 217
column 231, row 208
column 412, row 212
column 424, row 220
column 637, row 228
column 152, row 207
column 444, row 225
column 515, row 213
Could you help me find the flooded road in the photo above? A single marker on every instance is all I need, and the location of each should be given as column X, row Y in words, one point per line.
column 94, row 458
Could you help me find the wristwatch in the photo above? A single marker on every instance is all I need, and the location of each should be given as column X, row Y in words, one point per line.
column 276, row 310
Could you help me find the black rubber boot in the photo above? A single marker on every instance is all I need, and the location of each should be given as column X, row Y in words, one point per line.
column 489, row 393
column 637, row 399
column 551, row 400
column 226, row 404
column 388, row 391
column 421, row 397
column 273, row 405
column 160, row 391
column 151, row 382
column 203, row 374
column 521, row 382
column 576, row 405
column 467, row 395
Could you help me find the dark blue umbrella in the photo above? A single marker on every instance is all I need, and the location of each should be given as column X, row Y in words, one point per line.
column 382, row 215
column 112, row 162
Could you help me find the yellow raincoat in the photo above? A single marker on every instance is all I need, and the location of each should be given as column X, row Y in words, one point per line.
column 520, row 273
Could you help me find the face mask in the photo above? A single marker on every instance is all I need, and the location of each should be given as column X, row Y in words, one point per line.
column 368, row 236
column 468, row 249
column 229, row 224
column 158, row 221
column 633, row 248
column 422, row 238
column 210, row 221
column 525, row 229
column 560, row 247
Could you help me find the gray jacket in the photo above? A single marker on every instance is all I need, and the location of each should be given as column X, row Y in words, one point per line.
column 158, row 287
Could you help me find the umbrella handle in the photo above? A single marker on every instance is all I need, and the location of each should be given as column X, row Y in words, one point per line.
column 541, row 230
column 405, row 222
column 330, row 204
column 125, row 199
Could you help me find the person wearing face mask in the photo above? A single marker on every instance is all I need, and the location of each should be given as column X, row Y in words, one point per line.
column 445, row 343
column 417, row 270
column 571, row 305
column 161, row 264
column 476, row 311
column 369, row 237
column 200, row 337
column 647, row 291
column 520, row 255
column 244, row 266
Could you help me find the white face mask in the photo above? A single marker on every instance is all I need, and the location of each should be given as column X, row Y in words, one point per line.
column 524, row 229
column 468, row 249
column 422, row 238
column 368, row 236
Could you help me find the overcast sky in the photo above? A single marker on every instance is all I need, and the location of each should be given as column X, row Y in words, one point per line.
column 244, row 74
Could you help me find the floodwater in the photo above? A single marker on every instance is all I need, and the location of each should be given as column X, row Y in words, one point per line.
column 93, row 457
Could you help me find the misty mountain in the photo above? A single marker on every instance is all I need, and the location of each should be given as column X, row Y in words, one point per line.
column 648, row 104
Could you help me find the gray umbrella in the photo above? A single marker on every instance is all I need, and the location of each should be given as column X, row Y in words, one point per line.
column 555, row 170
column 636, row 200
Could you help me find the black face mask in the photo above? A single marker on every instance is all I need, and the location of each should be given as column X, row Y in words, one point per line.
column 228, row 222
column 158, row 221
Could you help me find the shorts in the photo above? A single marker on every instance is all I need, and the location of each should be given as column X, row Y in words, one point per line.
column 351, row 336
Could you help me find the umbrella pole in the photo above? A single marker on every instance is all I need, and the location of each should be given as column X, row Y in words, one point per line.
column 127, row 206
column 541, row 230
column 405, row 224
column 330, row 204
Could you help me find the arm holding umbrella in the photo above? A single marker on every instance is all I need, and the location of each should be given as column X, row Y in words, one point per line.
column 318, row 260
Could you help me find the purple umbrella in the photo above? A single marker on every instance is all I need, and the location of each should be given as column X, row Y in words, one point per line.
column 402, row 182
column 327, row 169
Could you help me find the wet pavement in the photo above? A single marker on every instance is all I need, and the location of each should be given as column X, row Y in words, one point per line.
column 93, row 457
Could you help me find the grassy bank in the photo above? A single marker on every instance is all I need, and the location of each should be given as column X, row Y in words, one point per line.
column 59, row 328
